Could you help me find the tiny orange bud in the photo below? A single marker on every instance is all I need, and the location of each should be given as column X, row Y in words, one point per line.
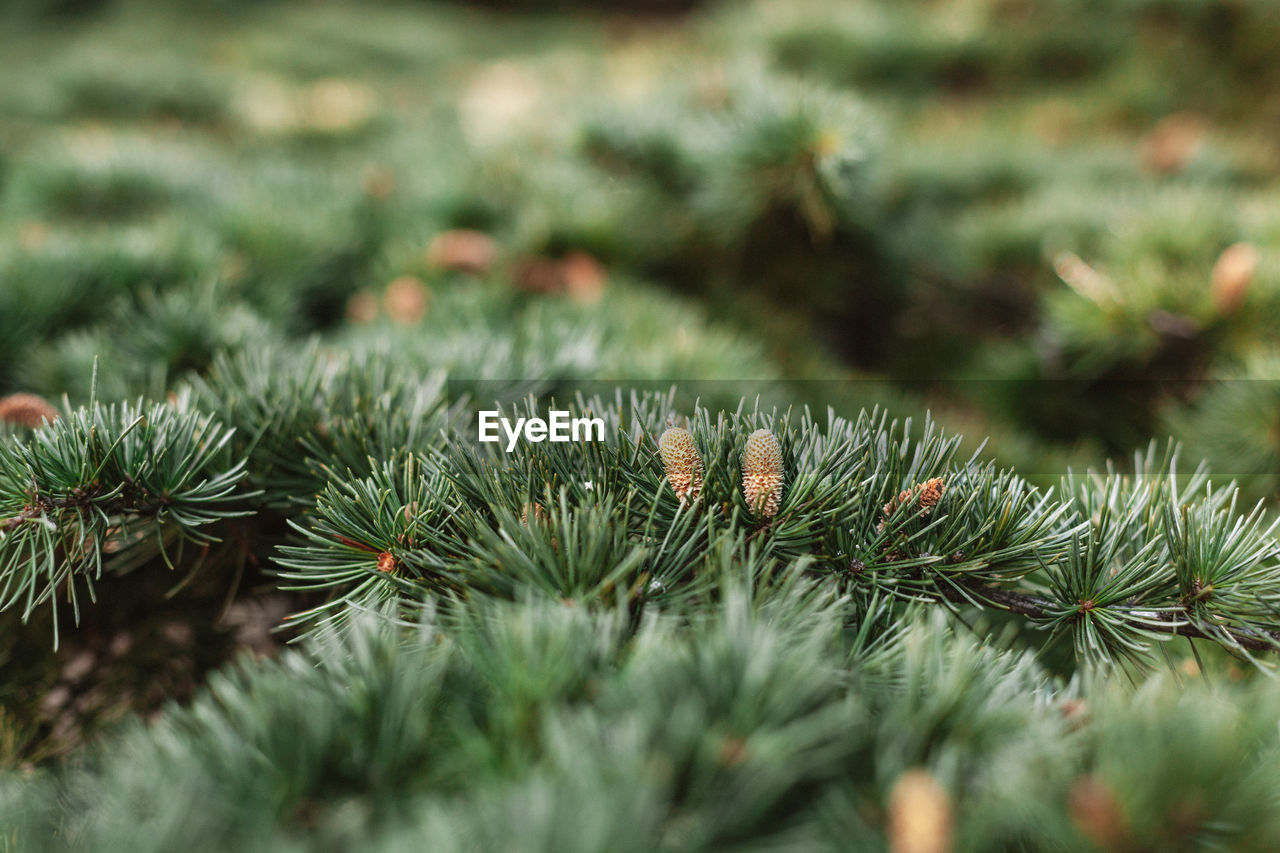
column 538, row 275
column 930, row 493
column 584, row 278
column 536, row 511
column 924, row 495
column 733, row 751
column 1097, row 814
column 406, row 300
column 462, row 250
column 1173, row 142
column 1232, row 276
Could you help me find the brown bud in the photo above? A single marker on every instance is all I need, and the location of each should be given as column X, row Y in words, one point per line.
column 1073, row 708
column 930, row 493
column 362, row 307
column 682, row 463
column 1097, row 814
column 406, row 300
column 1171, row 144
column 762, row 474
column 535, row 510
column 26, row 410
column 538, row 275
column 386, row 563
column 733, row 751
column 584, row 278
column 924, row 496
column 462, row 250
column 1232, row 276
column 919, row 815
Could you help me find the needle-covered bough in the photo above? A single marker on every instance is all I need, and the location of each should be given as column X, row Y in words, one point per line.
column 390, row 500
column 710, row 629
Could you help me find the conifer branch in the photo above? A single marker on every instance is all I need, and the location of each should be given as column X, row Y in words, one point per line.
column 1037, row 609
column 109, row 485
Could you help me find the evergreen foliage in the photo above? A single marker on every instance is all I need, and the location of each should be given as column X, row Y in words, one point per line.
column 269, row 260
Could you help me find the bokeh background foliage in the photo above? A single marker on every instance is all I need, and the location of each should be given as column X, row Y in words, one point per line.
column 325, row 224
column 1008, row 207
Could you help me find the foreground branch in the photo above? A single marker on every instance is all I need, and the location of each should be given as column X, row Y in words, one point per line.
column 1037, row 608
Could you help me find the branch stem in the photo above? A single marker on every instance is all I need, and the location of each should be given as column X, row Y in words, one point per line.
column 1036, row 607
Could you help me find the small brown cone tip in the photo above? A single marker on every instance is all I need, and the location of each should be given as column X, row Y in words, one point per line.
column 682, row 463
column 584, row 278
column 406, row 300
column 535, row 510
column 26, row 410
column 733, row 751
column 919, row 815
column 931, row 492
column 762, row 474
column 538, row 275
column 1097, row 814
column 1232, row 276
column 578, row 275
column 386, row 563
column 1172, row 143
column 924, row 495
column 362, row 307
column 462, row 250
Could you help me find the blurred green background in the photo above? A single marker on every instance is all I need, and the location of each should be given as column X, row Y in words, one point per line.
column 1055, row 223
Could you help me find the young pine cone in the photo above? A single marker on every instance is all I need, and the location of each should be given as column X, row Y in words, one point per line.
column 926, row 496
column 682, row 463
column 762, row 474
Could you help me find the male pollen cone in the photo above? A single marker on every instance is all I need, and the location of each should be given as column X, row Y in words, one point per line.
column 682, row 463
column 762, row 473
